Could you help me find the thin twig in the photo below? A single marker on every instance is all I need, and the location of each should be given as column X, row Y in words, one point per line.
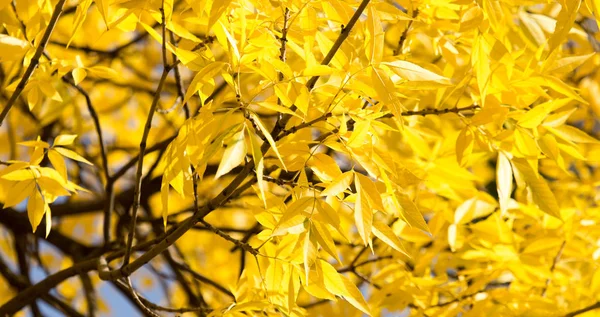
column 398, row 50
column 138, row 176
column 245, row 246
column 554, row 261
column 205, row 279
column 596, row 305
column 177, row 231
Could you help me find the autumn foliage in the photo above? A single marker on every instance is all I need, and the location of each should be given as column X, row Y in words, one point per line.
column 300, row 157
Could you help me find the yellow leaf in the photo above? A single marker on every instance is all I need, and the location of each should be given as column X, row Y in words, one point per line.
column 64, row 139
column 452, row 237
column 569, row 63
column 36, row 143
column 293, row 215
column 102, row 6
column 481, row 62
column 19, row 175
column 12, row 48
column 80, row 15
column 234, row 154
column 342, row 286
column 216, row 10
column 48, row 214
column 35, row 209
column 72, row 155
column 268, row 136
column 259, row 163
column 542, row 195
column 564, row 22
column 369, row 190
column 375, row 38
column 318, row 70
column 325, row 240
column 339, row 184
column 58, row 162
column 227, row 40
column 535, row 116
column 207, row 73
column 277, row 108
column 385, row 89
column 363, row 214
column 282, row 94
column 79, row 75
column 103, row 72
column 360, row 133
column 572, row 134
column 504, row 178
column 387, row 235
column 414, row 72
column 328, row 214
column 324, row 167
column 19, row 192
column 411, row 213
column 464, row 146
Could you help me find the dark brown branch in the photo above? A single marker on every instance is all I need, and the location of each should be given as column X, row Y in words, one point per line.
column 596, row 305
column 338, row 43
column 352, row 267
column 205, row 279
column 240, row 244
column 404, row 35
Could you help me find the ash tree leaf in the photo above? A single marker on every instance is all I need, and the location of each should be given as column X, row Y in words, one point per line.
column 234, row 154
